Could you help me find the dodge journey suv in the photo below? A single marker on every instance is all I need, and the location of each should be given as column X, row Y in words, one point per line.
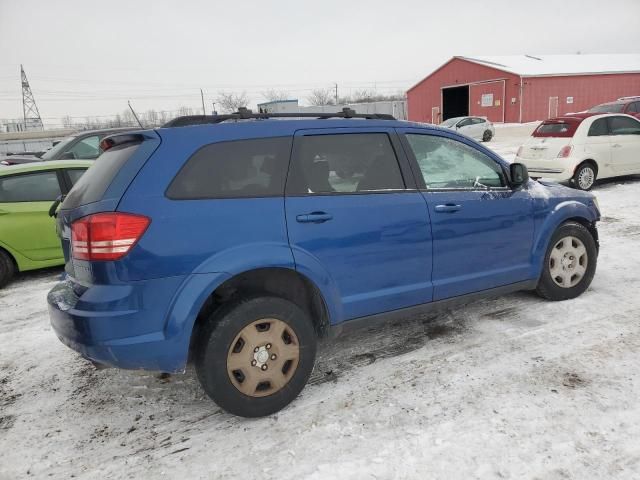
column 238, row 241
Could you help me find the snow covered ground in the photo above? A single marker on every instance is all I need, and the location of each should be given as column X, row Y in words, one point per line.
column 510, row 388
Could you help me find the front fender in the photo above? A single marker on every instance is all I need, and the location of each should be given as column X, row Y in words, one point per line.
column 560, row 213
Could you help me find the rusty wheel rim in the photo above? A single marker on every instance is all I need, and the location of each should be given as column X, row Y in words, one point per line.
column 263, row 357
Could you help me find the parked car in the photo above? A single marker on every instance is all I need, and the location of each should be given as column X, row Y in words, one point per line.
column 28, row 238
column 580, row 148
column 83, row 145
column 478, row 128
column 628, row 105
column 239, row 245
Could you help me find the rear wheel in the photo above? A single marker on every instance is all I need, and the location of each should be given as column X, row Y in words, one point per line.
column 487, row 136
column 585, row 176
column 7, row 268
column 569, row 264
column 255, row 355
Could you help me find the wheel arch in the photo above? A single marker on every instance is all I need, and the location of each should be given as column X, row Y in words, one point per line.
column 280, row 282
column 567, row 211
column 11, row 256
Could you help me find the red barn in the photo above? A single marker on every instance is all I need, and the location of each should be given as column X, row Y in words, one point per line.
column 522, row 88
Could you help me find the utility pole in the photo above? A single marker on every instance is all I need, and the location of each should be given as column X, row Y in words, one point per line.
column 336, row 85
column 204, row 112
column 32, row 120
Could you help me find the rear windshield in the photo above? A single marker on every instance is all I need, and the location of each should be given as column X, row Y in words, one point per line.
column 557, row 128
column 94, row 183
column 608, row 108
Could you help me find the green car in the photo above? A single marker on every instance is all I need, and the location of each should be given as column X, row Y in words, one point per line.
column 28, row 237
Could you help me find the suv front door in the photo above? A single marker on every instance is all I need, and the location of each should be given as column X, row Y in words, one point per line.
column 482, row 229
column 353, row 212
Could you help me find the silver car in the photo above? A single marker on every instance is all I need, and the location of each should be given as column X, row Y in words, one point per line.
column 478, row 128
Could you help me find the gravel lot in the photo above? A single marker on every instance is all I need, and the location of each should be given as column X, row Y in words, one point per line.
column 510, row 388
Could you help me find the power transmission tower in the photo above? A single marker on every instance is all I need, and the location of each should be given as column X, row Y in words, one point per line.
column 32, row 120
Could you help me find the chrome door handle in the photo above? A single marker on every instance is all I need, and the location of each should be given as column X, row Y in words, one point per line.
column 448, row 208
column 616, row 145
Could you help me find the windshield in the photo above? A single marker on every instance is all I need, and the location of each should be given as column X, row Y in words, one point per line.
column 53, row 151
column 608, row 108
column 557, row 128
column 450, row 122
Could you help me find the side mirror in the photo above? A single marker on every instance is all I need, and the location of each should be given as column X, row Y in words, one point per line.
column 519, row 174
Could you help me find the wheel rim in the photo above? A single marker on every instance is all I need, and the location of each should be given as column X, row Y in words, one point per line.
column 586, row 176
column 568, row 262
column 263, row 357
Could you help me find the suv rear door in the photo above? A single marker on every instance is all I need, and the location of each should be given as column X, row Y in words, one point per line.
column 482, row 229
column 354, row 213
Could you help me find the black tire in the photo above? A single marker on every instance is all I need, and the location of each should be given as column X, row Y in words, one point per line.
column 7, row 268
column 214, row 344
column 487, row 136
column 585, row 176
column 547, row 287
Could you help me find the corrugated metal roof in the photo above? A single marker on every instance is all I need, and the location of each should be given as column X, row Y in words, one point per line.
column 548, row 65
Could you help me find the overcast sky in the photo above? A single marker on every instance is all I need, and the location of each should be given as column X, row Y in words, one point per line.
column 87, row 58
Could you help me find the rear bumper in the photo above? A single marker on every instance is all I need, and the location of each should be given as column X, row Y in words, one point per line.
column 560, row 171
column 119, row 325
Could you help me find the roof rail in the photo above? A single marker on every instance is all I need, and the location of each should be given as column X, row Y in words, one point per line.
column 629, row 98
column 245, row 114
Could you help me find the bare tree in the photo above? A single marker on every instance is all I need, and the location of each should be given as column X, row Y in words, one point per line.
column 320, row 96
column 273, row 95
column 231, row 102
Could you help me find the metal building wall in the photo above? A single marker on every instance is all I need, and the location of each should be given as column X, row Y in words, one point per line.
column 584, row 90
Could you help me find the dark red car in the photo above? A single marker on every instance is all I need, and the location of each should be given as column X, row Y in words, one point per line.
column 628, row 105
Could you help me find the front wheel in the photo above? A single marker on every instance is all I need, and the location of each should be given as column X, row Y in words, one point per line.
column 585, row 176
column 255, row 356
column 569, row 264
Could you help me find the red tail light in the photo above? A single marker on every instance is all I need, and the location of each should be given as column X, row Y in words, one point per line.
column 106, row 236
column 565, row 151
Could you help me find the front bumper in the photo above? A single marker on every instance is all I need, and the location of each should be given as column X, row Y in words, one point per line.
column 119, row 325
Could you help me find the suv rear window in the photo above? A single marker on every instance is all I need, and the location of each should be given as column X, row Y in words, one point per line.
column 557, row 128
column 92, row 185
column 234, row 169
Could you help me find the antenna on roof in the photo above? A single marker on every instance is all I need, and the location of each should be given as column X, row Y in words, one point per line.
column 134, row 113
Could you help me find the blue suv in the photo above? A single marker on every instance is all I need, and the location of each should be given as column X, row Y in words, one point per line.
column 238, row 241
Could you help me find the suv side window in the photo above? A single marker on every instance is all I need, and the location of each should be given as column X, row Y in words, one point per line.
column 599, row 128
column 32, row 187
column 234, row 169
column 624, row 126
column 447, row 163
column 345, row 163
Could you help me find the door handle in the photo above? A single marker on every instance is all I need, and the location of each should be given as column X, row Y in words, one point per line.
column 448, row 208
column 616, row 145
column 3, row 212
column 314, row 217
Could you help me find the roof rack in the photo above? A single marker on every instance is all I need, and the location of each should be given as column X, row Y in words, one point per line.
column 632, row 97
column 246, row 114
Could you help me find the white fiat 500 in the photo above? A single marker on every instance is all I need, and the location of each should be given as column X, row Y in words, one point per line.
column 578, row 148
column 478, row 128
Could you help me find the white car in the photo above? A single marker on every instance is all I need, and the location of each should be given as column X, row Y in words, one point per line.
column 578, row 148
column 478, row 128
